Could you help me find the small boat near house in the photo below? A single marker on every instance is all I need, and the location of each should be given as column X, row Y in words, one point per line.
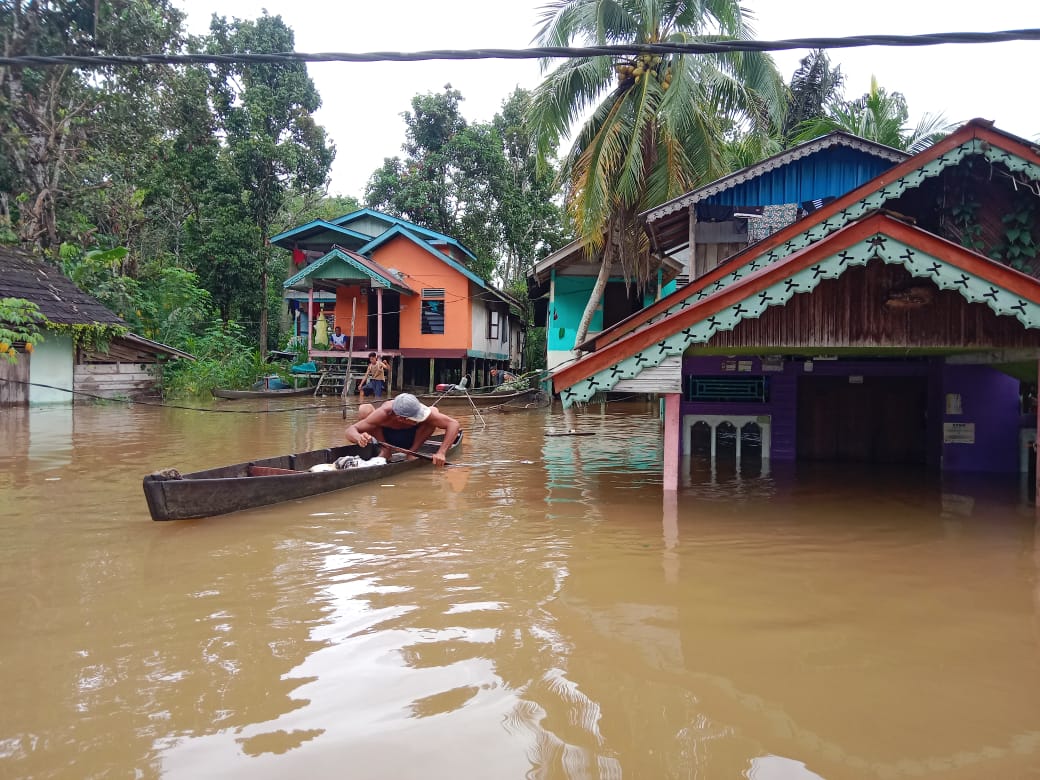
column 175, row 496
column 287, row 392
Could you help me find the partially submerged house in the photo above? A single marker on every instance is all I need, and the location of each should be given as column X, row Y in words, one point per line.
column 405, row 292
column 130, row 364
column 560, row 287
column 897, row 323
column 693, row 233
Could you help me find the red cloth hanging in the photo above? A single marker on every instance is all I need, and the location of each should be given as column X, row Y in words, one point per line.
column 298, row 257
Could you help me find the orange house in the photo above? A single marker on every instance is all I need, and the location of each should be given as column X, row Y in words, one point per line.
column 404, row 292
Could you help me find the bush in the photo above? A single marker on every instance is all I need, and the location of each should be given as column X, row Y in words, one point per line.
column 224, row 358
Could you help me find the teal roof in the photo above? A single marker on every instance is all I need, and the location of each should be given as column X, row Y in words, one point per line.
column 425, row 232
column 286, row 239
column 343, row 265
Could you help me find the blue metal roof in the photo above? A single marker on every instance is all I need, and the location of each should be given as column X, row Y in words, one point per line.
column 829, row 172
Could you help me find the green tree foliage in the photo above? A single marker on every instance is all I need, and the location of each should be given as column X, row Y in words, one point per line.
column 272, row 144
column 879, row 116
column 657, row 124
column 184, row 171
column 814, row 86
column 51, row 118
column 478, row 183
column 446, row 180
column 527, row 213
column 20, row 320
column 225, row 358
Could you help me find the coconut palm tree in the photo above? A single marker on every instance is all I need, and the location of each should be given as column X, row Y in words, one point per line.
column 657, row 122
column 878, row 116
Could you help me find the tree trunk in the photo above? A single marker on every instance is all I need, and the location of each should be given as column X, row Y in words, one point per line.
column 597, row 295
column 264, row 252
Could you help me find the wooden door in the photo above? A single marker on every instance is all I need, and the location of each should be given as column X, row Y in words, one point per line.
column 881, row 420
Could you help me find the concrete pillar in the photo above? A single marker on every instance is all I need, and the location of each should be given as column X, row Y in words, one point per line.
column 671, row 441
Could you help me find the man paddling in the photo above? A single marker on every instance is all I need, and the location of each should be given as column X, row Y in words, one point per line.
column 403, row 422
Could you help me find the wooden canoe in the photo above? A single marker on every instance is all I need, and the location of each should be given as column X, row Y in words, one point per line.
column 456, row 400
column 175, row 496
column 283, row 393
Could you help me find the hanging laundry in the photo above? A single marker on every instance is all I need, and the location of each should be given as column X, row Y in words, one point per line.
column 299, row 257
column 773, row 218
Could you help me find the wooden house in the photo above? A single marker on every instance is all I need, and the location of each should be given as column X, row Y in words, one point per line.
column 560, row 287
column 404, row 292
column 130, row 366
column 693, row 233
column 896, row 324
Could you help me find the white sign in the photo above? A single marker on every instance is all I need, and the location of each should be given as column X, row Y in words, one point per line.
column 953, row 403
column 958, row 433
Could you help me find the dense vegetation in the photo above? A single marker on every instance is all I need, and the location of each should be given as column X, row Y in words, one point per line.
column 155, row 187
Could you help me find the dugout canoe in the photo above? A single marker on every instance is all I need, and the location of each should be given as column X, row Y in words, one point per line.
column 283, row 393
column 175, row 496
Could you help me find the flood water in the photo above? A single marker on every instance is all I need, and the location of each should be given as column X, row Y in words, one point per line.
column 541, row 613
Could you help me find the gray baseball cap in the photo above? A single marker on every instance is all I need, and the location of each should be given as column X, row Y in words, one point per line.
column 409, row 407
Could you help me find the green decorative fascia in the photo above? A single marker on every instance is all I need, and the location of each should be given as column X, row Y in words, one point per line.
column 331, row 266
column 871, row 202
column 879, row 246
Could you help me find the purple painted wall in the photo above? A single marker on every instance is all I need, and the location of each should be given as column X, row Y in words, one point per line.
column 782, row 404
column 990, row 400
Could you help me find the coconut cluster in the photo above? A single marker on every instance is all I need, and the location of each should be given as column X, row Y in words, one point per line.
column 644, row 66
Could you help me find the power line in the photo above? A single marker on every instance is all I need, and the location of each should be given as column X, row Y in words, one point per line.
column 707, row 46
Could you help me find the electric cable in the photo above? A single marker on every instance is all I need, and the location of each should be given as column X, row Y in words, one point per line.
column 708, row 45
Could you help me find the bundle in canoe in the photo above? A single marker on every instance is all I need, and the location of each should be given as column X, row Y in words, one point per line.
column 175, row 496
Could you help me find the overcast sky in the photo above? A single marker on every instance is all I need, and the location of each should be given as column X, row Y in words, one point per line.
column 363, row 102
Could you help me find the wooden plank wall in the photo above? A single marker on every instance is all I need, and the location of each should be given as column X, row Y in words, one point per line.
column 663, row 378
column 850, row 312
column 13, row 376
column 707, row 256
column 114, row 380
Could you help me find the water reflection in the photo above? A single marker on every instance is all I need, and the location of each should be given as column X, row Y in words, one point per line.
column 546, row 612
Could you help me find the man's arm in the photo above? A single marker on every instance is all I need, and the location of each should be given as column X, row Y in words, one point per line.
column 451, row 429
column 363, row 432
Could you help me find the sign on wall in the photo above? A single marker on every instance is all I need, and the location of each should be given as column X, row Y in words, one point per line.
column 958, row 433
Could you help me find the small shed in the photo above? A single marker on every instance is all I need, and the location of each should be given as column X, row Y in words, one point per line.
column 130, row 366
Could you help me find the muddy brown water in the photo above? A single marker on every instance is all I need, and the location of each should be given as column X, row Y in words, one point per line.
column 544, row 613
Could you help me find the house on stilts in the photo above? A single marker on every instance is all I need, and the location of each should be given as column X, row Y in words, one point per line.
column 896, row 322
column 403, row 291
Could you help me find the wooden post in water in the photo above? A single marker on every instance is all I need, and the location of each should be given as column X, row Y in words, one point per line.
column 671, row 441
column 310, row 321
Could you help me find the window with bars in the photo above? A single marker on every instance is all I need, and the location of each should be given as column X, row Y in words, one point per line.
column 432, row 316
column 726, row 389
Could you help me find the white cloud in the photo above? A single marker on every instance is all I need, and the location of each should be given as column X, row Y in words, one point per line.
column 362, row 103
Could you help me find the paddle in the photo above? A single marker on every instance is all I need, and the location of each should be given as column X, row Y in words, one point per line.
column 412, row 452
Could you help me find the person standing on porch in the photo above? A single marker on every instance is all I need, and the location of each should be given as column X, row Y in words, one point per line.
column 373, row 383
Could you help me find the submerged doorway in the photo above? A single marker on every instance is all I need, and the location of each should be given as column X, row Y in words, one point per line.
column 868, row 419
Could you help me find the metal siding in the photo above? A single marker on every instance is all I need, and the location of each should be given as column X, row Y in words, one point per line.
column 831, row 172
